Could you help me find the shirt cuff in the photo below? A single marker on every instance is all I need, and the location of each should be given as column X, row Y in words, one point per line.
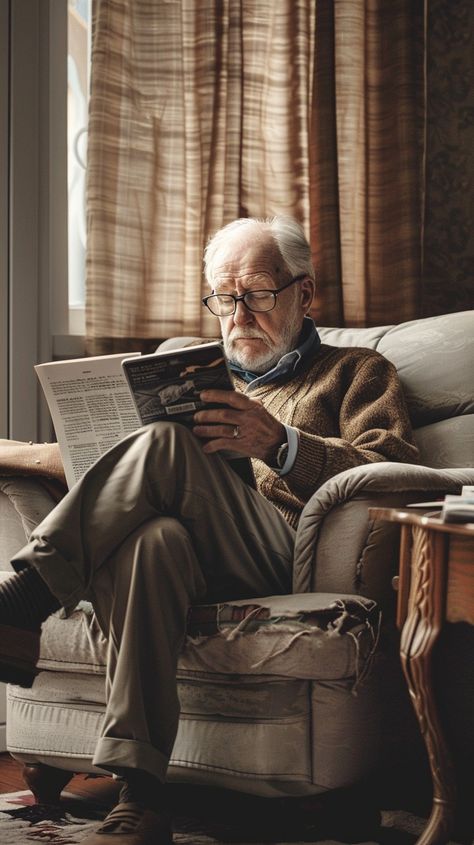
column 293, row 443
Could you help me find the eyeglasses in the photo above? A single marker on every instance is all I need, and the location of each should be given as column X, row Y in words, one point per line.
column 264, row 299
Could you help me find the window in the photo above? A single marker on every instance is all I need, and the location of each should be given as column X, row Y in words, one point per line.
column 35, row 307
column 4, row 226
column 78, row 73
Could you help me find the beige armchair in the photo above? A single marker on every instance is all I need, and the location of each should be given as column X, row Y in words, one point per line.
column 284, row 695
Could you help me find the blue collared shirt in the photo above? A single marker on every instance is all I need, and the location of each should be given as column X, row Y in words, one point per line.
column 288, row 364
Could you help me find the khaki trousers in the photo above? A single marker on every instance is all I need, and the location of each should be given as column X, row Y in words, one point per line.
column 154, row 526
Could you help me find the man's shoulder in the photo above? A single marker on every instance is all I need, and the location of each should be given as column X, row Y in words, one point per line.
column 352, row 356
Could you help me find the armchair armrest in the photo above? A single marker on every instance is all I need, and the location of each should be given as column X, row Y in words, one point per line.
column 24, row 502
column 339, row 549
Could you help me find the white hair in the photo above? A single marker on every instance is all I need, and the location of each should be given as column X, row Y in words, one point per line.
column 286, row 232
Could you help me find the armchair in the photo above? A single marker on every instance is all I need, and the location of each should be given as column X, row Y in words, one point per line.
column 282, row 695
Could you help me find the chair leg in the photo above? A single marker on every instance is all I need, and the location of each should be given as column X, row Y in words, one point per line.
column 45, row 782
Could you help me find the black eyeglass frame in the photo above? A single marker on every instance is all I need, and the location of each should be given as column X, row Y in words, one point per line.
column 241, row 297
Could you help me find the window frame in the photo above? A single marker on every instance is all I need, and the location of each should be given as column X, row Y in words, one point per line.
column 4, row 221
column 35, row 323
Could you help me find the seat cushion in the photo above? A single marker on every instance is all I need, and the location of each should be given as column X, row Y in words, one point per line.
column 265, row 688
column 309, row 636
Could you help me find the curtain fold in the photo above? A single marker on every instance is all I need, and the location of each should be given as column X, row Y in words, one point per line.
column 206, row 110
column 367, row 169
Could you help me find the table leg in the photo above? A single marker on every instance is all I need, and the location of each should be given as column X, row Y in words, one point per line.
column 419, row 634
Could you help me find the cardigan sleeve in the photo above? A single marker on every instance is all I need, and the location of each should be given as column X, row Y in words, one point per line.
column 373, row 426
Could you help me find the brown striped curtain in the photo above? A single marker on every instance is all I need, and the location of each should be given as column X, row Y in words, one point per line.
column 206, row 110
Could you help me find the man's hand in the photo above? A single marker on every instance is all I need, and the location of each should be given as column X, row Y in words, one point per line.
column 259, row 433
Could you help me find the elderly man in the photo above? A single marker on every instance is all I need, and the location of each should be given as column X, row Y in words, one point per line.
column 162, row 521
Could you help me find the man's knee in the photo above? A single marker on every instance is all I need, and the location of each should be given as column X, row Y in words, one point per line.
column 168, row 433
column 160, row 445
column 165, row 546
column 164, row 531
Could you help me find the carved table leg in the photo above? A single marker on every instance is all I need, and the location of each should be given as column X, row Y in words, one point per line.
column 45, row 782
column 419, row 634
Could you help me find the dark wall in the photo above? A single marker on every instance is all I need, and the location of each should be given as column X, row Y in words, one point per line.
column 448, row 277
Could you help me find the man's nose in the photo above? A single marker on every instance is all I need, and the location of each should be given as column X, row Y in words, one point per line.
column 242, row 315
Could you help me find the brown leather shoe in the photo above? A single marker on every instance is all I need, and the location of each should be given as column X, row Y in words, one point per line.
column 131, row 824
column 19, row 653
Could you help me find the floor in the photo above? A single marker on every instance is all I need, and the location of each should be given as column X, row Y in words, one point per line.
column 224, row 815
column 100, row 789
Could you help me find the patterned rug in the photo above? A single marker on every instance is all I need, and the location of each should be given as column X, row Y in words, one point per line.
column 22, row 822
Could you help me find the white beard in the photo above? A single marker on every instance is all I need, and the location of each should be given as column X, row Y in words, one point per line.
column 262, row 362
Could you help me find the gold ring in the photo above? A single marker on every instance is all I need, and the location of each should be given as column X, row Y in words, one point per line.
column 236, row 431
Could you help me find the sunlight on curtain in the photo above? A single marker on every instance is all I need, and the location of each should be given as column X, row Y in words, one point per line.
column 199, row 114
column 205, row 111
column 367, row 154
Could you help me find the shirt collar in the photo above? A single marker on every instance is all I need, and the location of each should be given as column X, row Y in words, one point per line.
column 308, row 342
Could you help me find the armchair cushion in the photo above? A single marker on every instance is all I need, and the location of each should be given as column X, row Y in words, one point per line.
column 434, row 358
column 326, row 635
column 267, row 691
column 447, row 443
column 316, row 637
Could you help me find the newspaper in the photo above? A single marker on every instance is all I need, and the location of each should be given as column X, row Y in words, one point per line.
column 458, row 508
column 91, row 407
column 95, row 402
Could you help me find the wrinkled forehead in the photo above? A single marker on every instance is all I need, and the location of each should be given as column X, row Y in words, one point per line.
column 246, row 254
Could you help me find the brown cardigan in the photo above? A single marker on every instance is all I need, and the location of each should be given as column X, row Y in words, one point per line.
column 349, row 409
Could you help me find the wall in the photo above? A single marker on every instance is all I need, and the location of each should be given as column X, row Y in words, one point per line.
column 3, row 718
column 448, row 278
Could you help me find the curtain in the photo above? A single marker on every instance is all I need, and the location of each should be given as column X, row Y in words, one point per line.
column 367, row 155
column 206, row 110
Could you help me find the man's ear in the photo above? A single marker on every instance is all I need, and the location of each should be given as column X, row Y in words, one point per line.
column 307, row 290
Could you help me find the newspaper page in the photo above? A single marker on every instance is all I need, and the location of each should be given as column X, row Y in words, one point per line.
column 91, row 408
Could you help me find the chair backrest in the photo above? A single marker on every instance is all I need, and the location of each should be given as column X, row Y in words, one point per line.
column 434, row 357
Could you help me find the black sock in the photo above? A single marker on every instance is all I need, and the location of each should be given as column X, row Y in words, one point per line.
column 140, row 787
column 26, row 600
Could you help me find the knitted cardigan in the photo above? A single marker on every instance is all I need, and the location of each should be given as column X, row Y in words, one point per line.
column 349, row 409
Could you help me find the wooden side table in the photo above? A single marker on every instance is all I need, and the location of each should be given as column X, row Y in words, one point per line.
column 436, row 584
